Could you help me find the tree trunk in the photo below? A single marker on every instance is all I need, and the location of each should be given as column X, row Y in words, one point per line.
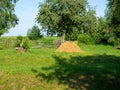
column 63, row 38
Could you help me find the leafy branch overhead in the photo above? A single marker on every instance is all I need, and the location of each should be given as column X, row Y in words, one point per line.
column 113, row 16
column 8, row 18
column 62, row 15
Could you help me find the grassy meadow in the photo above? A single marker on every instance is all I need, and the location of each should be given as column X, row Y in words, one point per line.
column 97, row 68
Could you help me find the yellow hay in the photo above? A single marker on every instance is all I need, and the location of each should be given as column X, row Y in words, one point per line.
column 69, row 47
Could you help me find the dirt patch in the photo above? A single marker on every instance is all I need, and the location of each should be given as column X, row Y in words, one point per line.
column 69, row 47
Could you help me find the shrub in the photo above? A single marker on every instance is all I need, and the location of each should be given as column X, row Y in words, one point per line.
column 18, row 41
column 24, row 42
column 85, row 38
column 117, row 41
column 114, row 41
column 105, row 38
column 97, row 38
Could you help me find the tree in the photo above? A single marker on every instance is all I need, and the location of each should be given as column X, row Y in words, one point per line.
column 113, row 16
column 90, row 25
column 62, row 16
column 34, row 33
column 101, row 24
column 7, row 17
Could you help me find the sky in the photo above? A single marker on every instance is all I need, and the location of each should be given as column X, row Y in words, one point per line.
column 26, row 11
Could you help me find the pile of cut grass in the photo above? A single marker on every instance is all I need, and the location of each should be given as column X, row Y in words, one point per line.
column 68, row 46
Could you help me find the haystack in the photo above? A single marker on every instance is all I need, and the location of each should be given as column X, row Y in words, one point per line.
column 69, row 47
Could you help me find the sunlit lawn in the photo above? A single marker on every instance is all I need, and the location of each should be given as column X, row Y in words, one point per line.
column 97, row 68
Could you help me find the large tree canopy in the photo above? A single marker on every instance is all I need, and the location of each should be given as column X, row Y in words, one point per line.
column 113, row 16
column 7, row 17
column 62, row 15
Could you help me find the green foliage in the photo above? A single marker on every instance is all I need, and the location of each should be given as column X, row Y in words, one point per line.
column 23, row 41
column 26, row 43
column 111, row 40
column 101, row 24
column 34, row 33
column 60, row 16
column 18, row 41
column 113, row 17
column 103, row 34
column 85, row 38
column 117, row 31
column 100, row 31
column 97, row 37
column 117, row 41
column 7, row 17
column 114, row 41
column 105, row 38
column 72, row 35
column 90, row 25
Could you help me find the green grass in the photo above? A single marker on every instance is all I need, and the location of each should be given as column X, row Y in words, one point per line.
column 100, row 49
column 97, row 68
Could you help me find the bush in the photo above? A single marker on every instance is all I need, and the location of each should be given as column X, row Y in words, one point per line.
column 117, row 41
column 97, row 38
column 18, row 41
column 85, row 38
column 106, row 38
column 114, row 41
column 23, row 42
column 26, row 43
column 110, row 39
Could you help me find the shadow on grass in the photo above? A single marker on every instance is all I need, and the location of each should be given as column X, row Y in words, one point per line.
column 100, row 72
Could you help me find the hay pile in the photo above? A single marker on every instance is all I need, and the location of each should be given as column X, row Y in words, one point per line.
column 69, row 47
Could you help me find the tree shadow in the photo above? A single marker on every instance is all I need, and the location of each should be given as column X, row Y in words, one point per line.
column 99, row 72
